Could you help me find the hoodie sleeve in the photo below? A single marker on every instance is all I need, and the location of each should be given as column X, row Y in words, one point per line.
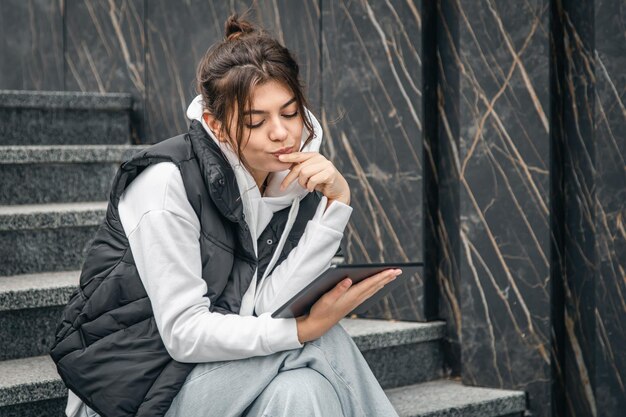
column 313, row 255
column 163, row 232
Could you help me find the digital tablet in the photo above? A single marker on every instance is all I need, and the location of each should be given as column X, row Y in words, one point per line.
column 301, row 303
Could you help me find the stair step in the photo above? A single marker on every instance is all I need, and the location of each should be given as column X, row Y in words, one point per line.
column 50, row 154
column 47, row 237
column 31, row 380
column 64, row 117
column 61, row 173
column 399, row 353
column 51, row 216
column 73, row 100
column 30, row 310
column 452, row 399
column 376, row 338
column 31, row 306
column 376, row 334
column 37, row 290
column 28, row 380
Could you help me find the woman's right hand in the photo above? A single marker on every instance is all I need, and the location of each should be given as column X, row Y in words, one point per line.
column 338, row 302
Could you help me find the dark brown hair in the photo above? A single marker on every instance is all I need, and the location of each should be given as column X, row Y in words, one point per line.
column 247, row 57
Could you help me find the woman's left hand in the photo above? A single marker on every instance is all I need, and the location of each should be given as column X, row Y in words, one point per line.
column 315, row 172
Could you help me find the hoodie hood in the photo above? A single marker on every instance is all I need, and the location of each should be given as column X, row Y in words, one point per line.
column 259, row 209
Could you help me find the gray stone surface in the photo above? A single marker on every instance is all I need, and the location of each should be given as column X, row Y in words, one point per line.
column 53, row 183
column 47, row 408
column 76, row 100
column 30, row 310
column 452, row 399
column 49, row 127
column 51, row 174
column 374, row 334
column 54, row 249
column 28, row 332
column 399, row 353
column 35, row 379
column 47, row 237
column 29, row 379
column 406, row 364
column 37, row 290
column 50, row 154
column 51, row 216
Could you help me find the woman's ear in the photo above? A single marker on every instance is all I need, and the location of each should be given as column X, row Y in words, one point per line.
column 214, row 124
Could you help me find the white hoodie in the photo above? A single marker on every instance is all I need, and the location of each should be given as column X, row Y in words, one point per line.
column 163, row 232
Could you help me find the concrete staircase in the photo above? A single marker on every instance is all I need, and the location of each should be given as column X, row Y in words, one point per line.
column 58, row 155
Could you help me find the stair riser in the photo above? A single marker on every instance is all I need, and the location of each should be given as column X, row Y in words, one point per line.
column 44, row 250
column 56, row 183
column 33, row 126
column 56, row 408
column 406, row 364
column 454, row 413
column 47, row 408
column 395, row 366
column 28, row 332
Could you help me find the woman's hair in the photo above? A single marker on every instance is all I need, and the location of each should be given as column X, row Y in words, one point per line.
column 246, row 57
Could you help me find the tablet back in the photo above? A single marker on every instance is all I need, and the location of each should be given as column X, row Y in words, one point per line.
column 301, row 303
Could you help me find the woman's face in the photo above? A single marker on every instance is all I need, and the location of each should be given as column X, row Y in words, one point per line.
column 273, row 124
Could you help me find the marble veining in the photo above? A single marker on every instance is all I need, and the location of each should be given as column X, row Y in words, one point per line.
column 372, row 115
column 498, row 138
column 105, row 51
column 484, row 138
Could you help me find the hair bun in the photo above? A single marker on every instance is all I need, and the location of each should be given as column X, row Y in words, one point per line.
column 235, row 27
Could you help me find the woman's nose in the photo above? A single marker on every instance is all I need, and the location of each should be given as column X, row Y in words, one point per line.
column 278, row 131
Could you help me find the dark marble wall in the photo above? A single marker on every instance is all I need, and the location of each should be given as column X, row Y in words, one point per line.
column 485, row 138
column 589, row 281
column 178, row 35
column 441, row 173
column 609, row 206
column 105, row 51
column 31, row 43
column 372, row 114
column 504, row 176
column 529, row 149
column 360, row 62
column 147, row 48
column 572, row 176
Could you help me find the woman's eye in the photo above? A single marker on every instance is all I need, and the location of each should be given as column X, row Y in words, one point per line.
column 253, row 126
column 289, row 116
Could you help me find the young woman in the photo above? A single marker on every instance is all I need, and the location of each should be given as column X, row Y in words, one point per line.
column 206, row 234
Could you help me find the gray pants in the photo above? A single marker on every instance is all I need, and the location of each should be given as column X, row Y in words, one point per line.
column 326, row 377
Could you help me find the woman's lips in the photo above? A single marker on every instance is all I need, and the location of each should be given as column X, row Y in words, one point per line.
column 283, row 151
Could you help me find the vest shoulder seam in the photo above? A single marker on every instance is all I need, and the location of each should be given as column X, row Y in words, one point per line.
column 162, row 210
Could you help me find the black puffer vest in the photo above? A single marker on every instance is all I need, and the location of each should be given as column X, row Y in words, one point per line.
column 107, row 348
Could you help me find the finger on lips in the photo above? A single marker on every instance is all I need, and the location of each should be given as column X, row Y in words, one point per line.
column 294, row 156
